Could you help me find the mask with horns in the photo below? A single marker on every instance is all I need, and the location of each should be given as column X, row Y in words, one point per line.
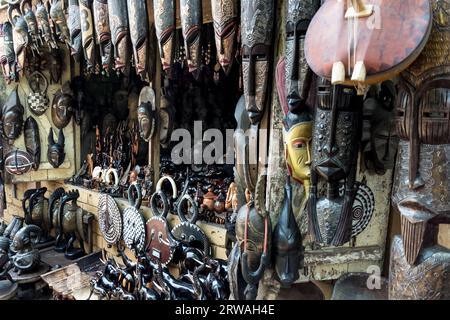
column 55, row 152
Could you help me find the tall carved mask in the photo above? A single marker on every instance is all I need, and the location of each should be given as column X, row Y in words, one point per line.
column 225, row 19
column 30, row 19
column 298, row 74
column 7, row 56
column 423, row 126
column 55, row 153
column 256, row 32
column 118, row 20
column 334, row 153
column 62, row 106
column 12, row 117
column 59, row 19
column 74, row 24
column 164, row 11
column 103, row 32
column 44, row 25
column 87, row 33
column 191, row 24
column 20, row 35
column 33, row 141
column 137, row 15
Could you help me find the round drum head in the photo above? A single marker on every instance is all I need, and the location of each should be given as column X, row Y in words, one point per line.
column 133, row 229
column 109, row 219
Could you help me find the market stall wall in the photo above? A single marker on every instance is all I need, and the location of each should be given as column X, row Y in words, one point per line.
column 322, row 264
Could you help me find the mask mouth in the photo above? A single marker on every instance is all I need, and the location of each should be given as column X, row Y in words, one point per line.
column 294, row 101
column 330, row 170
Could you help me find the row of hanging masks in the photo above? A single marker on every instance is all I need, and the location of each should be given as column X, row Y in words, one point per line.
column 110, row 35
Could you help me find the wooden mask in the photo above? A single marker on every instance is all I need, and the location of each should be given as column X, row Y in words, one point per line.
column 55, row 153
column 59, row 19
column 298, row 74
column 137, row 15
column 74, row 25
column 103, row 32
column 33, row 141
column 7, row 55
column 164, row 11
column 44, row 26
column 225, row 19
column 191, row 24
column 118, row 20
column 421, row 188
column 12, row 117
column 337, row 133
column 62, row 106
column 146, row 114
column 20, row 35
column 30, row 19
column 257, row 33
column 87, row 34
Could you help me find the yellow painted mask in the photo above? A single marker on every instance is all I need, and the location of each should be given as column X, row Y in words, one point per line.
column 298, row 152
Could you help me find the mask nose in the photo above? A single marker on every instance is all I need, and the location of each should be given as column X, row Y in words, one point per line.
column 253, row 112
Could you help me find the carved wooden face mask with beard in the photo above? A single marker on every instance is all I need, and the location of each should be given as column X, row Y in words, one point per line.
column 421, row 189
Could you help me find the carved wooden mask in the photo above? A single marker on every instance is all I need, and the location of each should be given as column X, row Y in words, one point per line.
column 87, row 33
column 30, row 19
column 44, row 25
column 335, row 152
column 59, row 19
column 33, row 141
column 7, row 56
column 298, row 74
column 20, row 35
column 423, row 125
column 191, row 23
column 62, row 106
column 137, row 15
column 256, row 31
column 74, row 25
column 118, row 20
column 164, row 11
column 55, row 153
column 103, row 32
column 225, row 19
column 146, row 118
column 12, row 117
